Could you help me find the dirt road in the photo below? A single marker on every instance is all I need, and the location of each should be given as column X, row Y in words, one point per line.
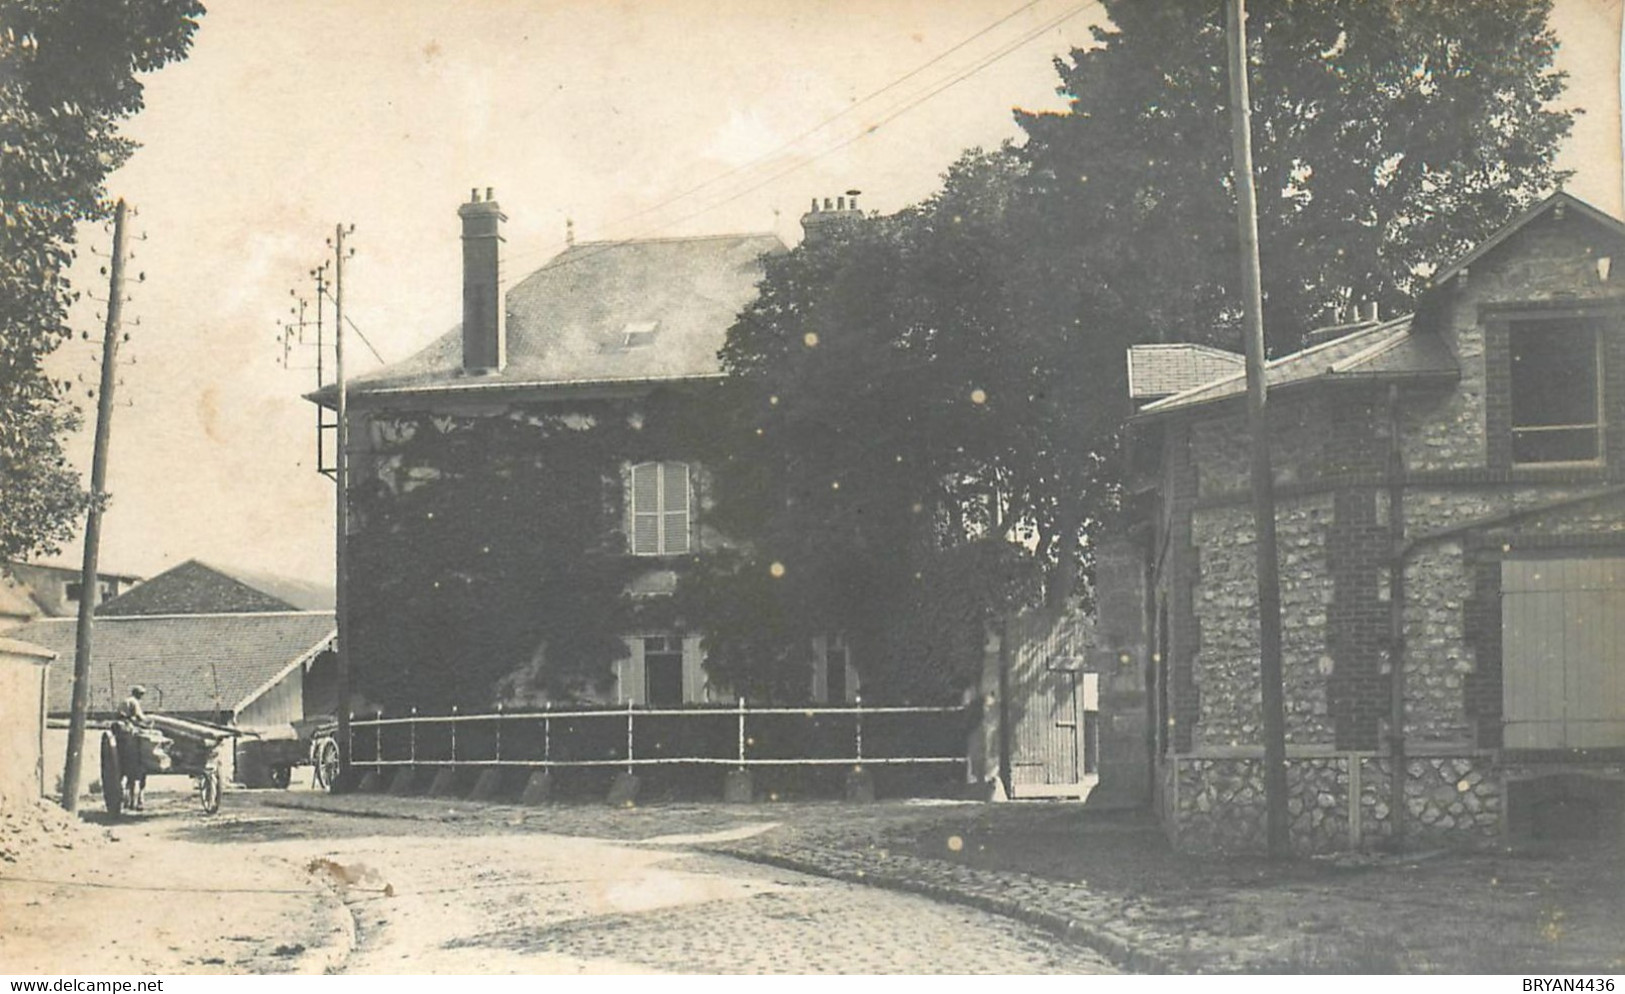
column 261, row 889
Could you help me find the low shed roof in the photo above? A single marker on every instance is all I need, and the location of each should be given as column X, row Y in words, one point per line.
column 188, row 663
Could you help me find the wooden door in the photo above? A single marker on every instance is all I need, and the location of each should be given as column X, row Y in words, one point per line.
column 1563, row 653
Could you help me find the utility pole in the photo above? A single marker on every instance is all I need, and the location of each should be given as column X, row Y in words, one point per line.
column 341, row 460
column 1263, row 475
column 89, row 584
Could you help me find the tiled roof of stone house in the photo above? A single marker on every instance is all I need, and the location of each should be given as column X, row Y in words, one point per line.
column 1394, row 349
column 1164, row 368
column 188, row 663
column 604, row 312
column 1558, row 201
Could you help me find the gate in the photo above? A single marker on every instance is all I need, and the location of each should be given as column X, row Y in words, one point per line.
column 1052, row 705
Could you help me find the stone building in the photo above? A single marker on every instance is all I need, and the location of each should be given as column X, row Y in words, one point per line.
column 1449, row 490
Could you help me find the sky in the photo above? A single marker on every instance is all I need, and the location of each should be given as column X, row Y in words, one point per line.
column 633, row 118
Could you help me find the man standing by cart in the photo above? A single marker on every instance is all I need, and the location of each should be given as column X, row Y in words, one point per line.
column 131, row 717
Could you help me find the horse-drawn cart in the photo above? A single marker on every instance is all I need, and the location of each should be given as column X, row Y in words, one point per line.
column 171, row 745
column 268, row 761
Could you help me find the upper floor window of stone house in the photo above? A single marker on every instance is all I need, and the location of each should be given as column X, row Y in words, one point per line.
column 1556, row 391
column 660, row 509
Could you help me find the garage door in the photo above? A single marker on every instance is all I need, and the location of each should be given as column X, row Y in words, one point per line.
column 1563, row 653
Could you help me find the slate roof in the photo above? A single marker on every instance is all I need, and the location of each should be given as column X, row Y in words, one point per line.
column 1394, row 349
column 603, row 312
column 1160, row 369
column 196, row 587
column 180, row 658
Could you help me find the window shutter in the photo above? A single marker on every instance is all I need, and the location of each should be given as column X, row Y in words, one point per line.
column 646, row 509
column 674, row 483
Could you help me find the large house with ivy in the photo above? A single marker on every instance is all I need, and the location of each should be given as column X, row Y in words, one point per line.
column 524, row 492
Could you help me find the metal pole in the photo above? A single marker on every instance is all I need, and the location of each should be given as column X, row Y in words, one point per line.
column 412, row 736
column 547, row 734
column 89, row 582
column 741, row 733
column 629, row 736
column 1263, row 476
column 858, row 700
column 1397, row 812
column 499, row 733
column 454, row 735
column 378, row 738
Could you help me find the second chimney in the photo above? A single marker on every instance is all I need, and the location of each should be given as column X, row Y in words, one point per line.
column 485, row 326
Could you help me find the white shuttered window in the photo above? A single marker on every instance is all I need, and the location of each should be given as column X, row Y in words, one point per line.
column 660, row 509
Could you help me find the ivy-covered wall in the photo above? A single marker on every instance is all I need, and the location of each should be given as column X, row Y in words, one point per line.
column 487, row 554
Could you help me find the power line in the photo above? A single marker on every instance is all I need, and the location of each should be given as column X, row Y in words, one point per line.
column 866, row 132
column 821, row 125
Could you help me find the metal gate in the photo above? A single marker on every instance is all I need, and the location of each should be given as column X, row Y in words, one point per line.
column 1053, row 707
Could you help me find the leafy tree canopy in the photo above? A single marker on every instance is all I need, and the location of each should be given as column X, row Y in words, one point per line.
column 1388, row 137
column 924, row 408
column 68, row 77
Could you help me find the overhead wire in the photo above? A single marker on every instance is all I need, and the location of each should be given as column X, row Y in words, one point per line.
column 897, row 112
column 792, row 142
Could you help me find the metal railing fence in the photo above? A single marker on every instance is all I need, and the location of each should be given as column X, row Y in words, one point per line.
column 741, row 736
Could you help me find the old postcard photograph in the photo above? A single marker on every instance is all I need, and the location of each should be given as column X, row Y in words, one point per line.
column 810, row 487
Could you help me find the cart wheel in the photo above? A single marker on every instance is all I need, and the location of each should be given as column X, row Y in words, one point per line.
column 208, row 791
column 112, row 775
column 281, row 776
column 327, row 764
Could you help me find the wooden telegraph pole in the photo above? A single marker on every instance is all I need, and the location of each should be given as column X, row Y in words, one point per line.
column 1263, row 475
column 89, row 584
column 341, row 515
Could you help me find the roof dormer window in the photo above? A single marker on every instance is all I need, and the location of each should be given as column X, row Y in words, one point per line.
column 1556, row 391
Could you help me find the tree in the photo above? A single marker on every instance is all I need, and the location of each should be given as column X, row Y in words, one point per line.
column 68, row 77
column 886, row 428
column 1389, row 137
column 924, row 409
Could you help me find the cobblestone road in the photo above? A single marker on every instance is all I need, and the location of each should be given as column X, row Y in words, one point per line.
column 536, row 903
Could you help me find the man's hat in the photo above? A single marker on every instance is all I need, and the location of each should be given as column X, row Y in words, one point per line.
column 138, row 691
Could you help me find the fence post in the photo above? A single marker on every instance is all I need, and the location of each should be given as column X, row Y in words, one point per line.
column 547, row 735
column 499, row 733
column 349, row 741
column 378, row 740
column 857, row 700
column 454, row 735
column 741, row 733
column 412, row 736
column 629, row 737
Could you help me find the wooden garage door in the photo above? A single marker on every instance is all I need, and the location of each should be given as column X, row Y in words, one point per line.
column 1563, row 653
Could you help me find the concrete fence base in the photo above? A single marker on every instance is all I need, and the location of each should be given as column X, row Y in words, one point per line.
column 739, row 787
column 538, row 789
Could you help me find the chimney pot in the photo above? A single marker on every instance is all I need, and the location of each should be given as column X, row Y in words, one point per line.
column 489, row 194
column 815, row 205
column 827, row 205
column 473, row 194
column 840, row 203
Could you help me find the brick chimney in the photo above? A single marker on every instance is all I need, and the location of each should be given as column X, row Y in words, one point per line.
column 818, row 222
column 485, row 326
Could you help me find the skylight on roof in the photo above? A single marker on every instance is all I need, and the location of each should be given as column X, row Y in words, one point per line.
column 639, row 334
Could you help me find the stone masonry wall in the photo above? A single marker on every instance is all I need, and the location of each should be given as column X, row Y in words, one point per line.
column 1450, row 800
